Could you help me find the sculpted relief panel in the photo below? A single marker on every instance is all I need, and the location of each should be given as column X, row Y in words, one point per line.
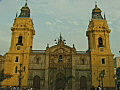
column 37, row 61
column 60, row 57
column 83, row 62
column 61, row 51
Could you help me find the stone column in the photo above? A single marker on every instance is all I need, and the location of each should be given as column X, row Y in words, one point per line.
column 46, row 71
column 73, row 72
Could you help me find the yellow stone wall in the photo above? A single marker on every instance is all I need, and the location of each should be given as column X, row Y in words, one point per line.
column 96, row 29
column 22, row 27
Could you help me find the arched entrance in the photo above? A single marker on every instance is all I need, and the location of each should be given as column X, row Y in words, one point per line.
column 83, row 83
column 60, row 81
column 36, row 82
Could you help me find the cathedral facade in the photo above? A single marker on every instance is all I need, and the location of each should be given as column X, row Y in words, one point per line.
column 60, row 67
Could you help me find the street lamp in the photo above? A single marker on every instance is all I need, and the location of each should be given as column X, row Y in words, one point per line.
column 20, row 76
column 98, row 79
column 102, row 76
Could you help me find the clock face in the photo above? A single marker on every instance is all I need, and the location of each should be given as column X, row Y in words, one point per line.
column 97, row 16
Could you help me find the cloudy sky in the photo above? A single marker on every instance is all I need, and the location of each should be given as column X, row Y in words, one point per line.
column 52, row 17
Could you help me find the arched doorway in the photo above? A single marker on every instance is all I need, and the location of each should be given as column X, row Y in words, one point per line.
column 83, row 83
column 36, row 82
column 60, row 81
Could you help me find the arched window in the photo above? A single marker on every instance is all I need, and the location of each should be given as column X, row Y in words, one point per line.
column 103, row 60
column 83, row 61
column 16, row 69
column 38, row 60
column 61, row 58
column 17, row 59
column 100, row 42
column 83, row 83
column 60, row 81
column 36, row 82
column 20, row 40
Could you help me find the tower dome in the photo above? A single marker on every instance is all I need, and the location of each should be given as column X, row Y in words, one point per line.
column 96, row 13
column 25, row 11
column 96, row 9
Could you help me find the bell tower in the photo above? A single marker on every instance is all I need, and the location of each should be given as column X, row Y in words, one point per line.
column 98, row 34
column 17, row 59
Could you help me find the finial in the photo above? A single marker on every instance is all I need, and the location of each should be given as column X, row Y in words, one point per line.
column 47, row 46
column 104, row 16
column 95, row 4
column 16, row 14
column 73, row 46
column 60, row 37
column 26, row 3
column 119, row 51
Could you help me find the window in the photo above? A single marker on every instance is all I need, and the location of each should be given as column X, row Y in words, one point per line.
column 60, row 58
column 100, row 42
column 103, row 60
column 16, row 69
column 17, row 59
column 20, row 40
column 83, row 83
column 83, row 61
column 37, row 60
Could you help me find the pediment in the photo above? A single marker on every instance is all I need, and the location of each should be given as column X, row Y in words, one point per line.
column 60, row 49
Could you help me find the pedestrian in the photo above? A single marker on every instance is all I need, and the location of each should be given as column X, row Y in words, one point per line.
column 99, row 88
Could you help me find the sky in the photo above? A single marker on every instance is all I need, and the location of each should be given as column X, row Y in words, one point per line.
column 52, row 17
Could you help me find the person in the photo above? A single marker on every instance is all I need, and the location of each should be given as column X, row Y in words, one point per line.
column 14, row 88
column 99, row 88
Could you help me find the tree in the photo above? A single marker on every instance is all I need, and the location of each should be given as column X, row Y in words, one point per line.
column 1, row 75
column 4, row 76
column 118, row 73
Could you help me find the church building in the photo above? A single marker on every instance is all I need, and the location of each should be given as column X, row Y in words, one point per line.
column 60, row 67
